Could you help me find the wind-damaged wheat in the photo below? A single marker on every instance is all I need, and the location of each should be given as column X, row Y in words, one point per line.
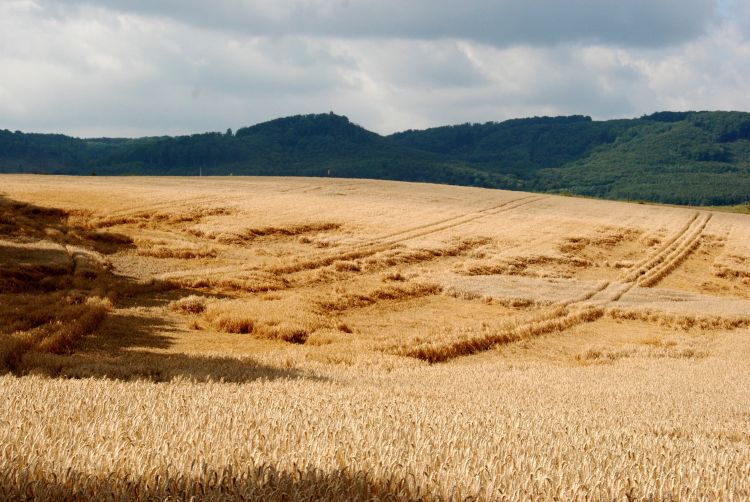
column 452, row 345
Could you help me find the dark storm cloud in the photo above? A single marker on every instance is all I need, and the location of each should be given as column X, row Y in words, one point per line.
column 639, row 23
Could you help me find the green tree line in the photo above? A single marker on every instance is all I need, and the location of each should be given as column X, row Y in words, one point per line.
column 674, row 157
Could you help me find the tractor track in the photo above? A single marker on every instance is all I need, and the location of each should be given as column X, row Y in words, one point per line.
column 681, row 249
column 179, row 203
column 384, row 243
column 659, row 264
column 375, row 245
column 591, row 306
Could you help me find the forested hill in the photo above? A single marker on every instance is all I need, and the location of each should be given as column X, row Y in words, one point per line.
column 673, row 157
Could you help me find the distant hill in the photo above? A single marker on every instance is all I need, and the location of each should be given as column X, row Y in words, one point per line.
column 675, row 157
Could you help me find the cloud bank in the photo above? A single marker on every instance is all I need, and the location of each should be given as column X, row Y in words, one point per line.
column 507, row 22
column 128, row 68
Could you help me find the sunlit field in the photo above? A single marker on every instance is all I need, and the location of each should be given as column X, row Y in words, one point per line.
column 307, row 339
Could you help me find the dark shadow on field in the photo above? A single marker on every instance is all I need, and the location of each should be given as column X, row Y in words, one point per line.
column 230, row 483
column 165, row 295
column 26, row 222
column 123, row 332
column 122, row 349
column 27, row 270
column 53, row 318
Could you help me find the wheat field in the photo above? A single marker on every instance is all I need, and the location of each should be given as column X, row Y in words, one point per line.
column 331, row 339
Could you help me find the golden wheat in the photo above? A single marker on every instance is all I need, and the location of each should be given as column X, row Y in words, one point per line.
column 216, row 339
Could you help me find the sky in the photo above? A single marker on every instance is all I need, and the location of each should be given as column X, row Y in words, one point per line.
column 151, row 67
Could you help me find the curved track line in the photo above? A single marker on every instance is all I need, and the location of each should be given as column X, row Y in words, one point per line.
column 363, row 250
column 375, row 245
column 590, row 306
column 678, row 254
column 158, row 205
column 654, row 259
column 435, row 227
column 471, row 215
column 655, row 267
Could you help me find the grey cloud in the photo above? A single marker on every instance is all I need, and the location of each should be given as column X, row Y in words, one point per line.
column 92, row 74
column 641, row 23
column 527, row 82
column 741, row 15
column 88, row 70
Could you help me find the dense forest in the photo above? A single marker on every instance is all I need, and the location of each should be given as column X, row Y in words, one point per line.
column 675, row 157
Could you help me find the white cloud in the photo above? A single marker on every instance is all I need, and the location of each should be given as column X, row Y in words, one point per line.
column 92, row 70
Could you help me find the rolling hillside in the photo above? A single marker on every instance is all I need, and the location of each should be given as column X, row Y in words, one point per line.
column 296, row 339
column 699, row 158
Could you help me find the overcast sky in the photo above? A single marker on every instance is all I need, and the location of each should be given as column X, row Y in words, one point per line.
column 144, row 67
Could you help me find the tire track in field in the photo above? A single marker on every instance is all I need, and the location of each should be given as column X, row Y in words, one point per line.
column 658, row 256
column 658, row 263
column 677, row 255
column 384, row 243
column 373, row 246
column 202, row 199
column 471, row 215
column 144, row 208
column 315, row 187
column 653, row 268
column 588, row 308
column 448, row 223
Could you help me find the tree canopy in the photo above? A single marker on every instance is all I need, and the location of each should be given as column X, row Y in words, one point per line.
column 675, row 157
